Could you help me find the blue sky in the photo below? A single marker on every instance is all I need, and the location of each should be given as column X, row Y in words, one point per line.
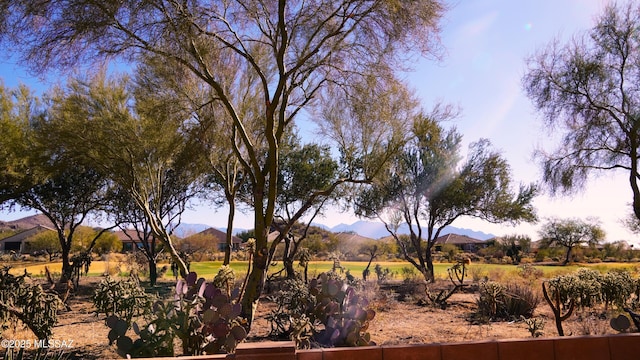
column 486, row 43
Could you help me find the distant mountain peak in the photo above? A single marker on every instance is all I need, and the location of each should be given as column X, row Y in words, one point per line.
column 370, row 229
column 377, row 230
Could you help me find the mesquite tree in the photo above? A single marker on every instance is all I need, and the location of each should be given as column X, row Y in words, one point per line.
column 588, row 91
column 426, row 186
column 39, row 172
column 294, row 50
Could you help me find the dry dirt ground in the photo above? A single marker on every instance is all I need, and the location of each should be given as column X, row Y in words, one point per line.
column 396, row 323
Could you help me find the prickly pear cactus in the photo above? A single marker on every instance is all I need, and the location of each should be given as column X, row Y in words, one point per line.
column 204, row 317
column 343, row 312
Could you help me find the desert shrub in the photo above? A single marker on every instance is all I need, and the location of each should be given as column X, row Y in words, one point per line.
column 499, row 302
column 526, row 260
column 497, row 275
column 520, row 301
column 590, row 323
column 124, row 299
column 28, row 304
column 529, row 272
column 478, row 273
column 5, row 258
column 449, row 252
column 353, row 281
column 136, row 263
column 409, row 274
column 561, row 287
column 383, row 273
column 583, row 287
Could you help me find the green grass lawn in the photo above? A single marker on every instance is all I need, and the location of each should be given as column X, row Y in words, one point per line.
column 208, row 269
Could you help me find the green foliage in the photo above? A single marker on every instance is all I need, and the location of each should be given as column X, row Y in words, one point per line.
column 557, row 294
column 515, row 246
column 450, row 251
column 582, row 88
column 123, row 299
column 616, row 288
column 246, row 234
column 569, row 233
column 202, row 316
column 82, row 238
column 44, row 241
column 426, row 183
column 305, row 169
column 587, row 288
column 107, row 242
column 29, row 304
column 366, row 120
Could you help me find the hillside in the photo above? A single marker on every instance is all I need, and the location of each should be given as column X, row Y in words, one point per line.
column 25, row 223
column 369, row 229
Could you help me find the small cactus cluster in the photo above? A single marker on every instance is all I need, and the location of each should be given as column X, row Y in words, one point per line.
column 124, row 298
column 202, row 316
column 27, row 303
column 343, row 312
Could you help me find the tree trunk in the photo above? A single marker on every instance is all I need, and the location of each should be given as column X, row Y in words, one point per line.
column 306, row 272
column 229, row 238
column 429, row 274
column 633, row 174
column 566, row 260
column 287, row 259
column 67, row 269
column 288, row 266
column 365, row 272
column 255, row 285
column 153, row 272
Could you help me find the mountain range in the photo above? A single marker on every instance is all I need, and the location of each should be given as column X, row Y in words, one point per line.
column 371, row 229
